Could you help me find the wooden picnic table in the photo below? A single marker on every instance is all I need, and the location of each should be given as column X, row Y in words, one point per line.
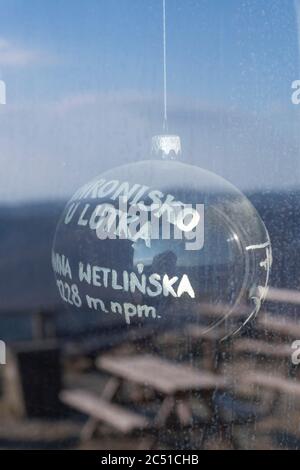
column 163, row 376
column 173, row 381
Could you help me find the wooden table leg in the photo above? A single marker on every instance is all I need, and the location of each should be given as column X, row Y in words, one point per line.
column 111, row 388
column 89, row 429
column 184, row 412
column 108, row 393
column 166, row 408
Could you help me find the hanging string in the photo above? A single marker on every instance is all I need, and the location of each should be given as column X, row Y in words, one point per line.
column 165, row 123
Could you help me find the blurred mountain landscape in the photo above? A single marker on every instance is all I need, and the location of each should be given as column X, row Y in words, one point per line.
column 26, row 234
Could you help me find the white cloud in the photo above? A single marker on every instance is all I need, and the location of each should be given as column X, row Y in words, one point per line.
column 14, row 55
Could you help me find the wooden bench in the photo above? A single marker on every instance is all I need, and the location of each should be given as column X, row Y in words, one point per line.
column 199, row 332
column 254, row 347
column 281, row 326
column 278, row 386
column 100, row 410
column 285, row 296
column 218, row 312
column 273, row 382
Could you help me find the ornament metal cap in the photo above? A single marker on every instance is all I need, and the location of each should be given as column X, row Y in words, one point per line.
column 167, row 147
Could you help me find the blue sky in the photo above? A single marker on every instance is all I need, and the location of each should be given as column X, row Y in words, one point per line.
column 84, row 89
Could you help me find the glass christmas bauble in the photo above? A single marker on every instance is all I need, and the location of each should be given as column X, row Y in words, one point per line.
column 162, row 241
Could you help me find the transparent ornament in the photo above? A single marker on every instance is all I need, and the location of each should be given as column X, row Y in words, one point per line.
column 215, row 273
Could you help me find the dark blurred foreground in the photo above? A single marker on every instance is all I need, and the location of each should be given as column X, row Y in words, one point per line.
column 179, row 387
column 87, row 382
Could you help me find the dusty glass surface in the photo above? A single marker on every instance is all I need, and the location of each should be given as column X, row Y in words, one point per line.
column 114, row 267
column 82, row 95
